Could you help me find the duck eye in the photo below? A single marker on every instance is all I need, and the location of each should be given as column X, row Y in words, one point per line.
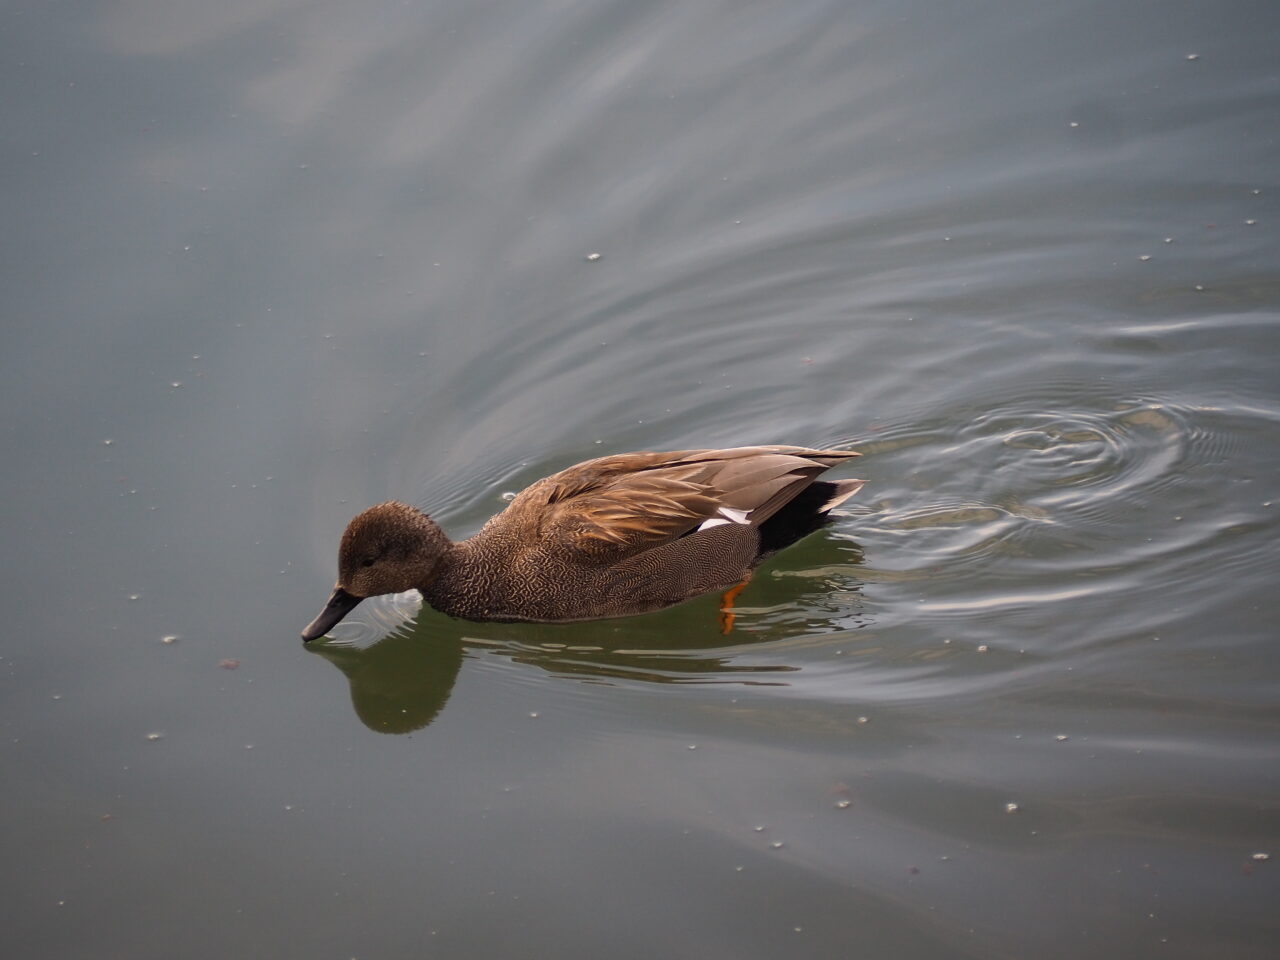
column 367, row 562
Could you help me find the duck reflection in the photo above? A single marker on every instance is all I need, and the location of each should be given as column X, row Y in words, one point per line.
column 401, row 682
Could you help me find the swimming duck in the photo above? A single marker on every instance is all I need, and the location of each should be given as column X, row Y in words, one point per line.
column 610, row 537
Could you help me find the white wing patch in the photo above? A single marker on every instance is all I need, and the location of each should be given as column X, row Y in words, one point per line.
column 727, row 515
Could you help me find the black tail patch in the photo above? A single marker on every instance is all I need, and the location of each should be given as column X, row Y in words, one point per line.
column 797, row 519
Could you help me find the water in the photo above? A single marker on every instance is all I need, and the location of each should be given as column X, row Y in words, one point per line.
column 270, row 263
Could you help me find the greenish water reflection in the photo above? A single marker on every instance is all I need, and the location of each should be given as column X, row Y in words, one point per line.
column 402, row 681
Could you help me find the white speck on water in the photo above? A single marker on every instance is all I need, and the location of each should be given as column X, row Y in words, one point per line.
column 169, row 639
column 864, row 719
column 1250, row 223
column 760, row 829
column 593, row 257
column 508, row 495
column 739, row 869
column 533, row 714
column 1199, row 286
column 693, row 746
column 777, row 845
column 134, row 596
column 1062, row 737
column 288, row 807
column 1260, row 856
column 842, row 804
column 983, row 648
column 1193, row 56
column 107, row 443
column 176, row 384
column 155, row 735
column 56, row 696
column 1075, row 123
column 1010, row 808
column 1168, row 239
column 1144, row 257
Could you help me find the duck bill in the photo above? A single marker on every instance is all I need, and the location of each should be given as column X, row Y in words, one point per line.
column 340, row 604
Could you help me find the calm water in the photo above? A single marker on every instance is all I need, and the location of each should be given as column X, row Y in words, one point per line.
column 269, row 262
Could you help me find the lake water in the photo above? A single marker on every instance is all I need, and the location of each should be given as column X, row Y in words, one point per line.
column 268, row 262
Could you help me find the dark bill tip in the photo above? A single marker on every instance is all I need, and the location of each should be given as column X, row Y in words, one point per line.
column 340, row 604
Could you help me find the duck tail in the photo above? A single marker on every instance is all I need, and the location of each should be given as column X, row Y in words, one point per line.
column 805, row 513
column 843, row 490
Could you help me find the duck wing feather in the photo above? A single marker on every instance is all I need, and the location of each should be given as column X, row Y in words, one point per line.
column 621, row 505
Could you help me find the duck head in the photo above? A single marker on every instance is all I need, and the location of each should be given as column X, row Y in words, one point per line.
column 390, row 548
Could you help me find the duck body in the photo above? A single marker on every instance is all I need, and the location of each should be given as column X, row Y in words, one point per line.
column 611, row 537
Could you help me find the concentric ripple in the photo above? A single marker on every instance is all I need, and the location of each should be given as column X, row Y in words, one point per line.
column 1040, row 513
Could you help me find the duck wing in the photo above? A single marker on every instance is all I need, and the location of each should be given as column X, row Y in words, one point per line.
column 612, row 507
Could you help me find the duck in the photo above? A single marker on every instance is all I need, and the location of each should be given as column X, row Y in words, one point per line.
column 615, row 536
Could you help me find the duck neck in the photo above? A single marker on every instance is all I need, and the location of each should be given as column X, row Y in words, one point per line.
column 433, row 551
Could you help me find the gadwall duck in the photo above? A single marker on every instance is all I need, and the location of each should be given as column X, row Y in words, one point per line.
column 610, row 537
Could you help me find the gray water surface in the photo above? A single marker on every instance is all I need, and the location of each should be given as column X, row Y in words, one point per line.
column 267, row 263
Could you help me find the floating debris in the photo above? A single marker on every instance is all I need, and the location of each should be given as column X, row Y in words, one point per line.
column 983, row 648
column 1062, row 737
column 1260, row 856
column 155, row 735
column 1193, row 56
column 843, row 804
column 1010, row 808
column 1144, row 257
column 864, row 719
column 1250, row 223
column 507, row 495
column 592, row 257
column 777, row 845
column 169, row 639
column 693, row 746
